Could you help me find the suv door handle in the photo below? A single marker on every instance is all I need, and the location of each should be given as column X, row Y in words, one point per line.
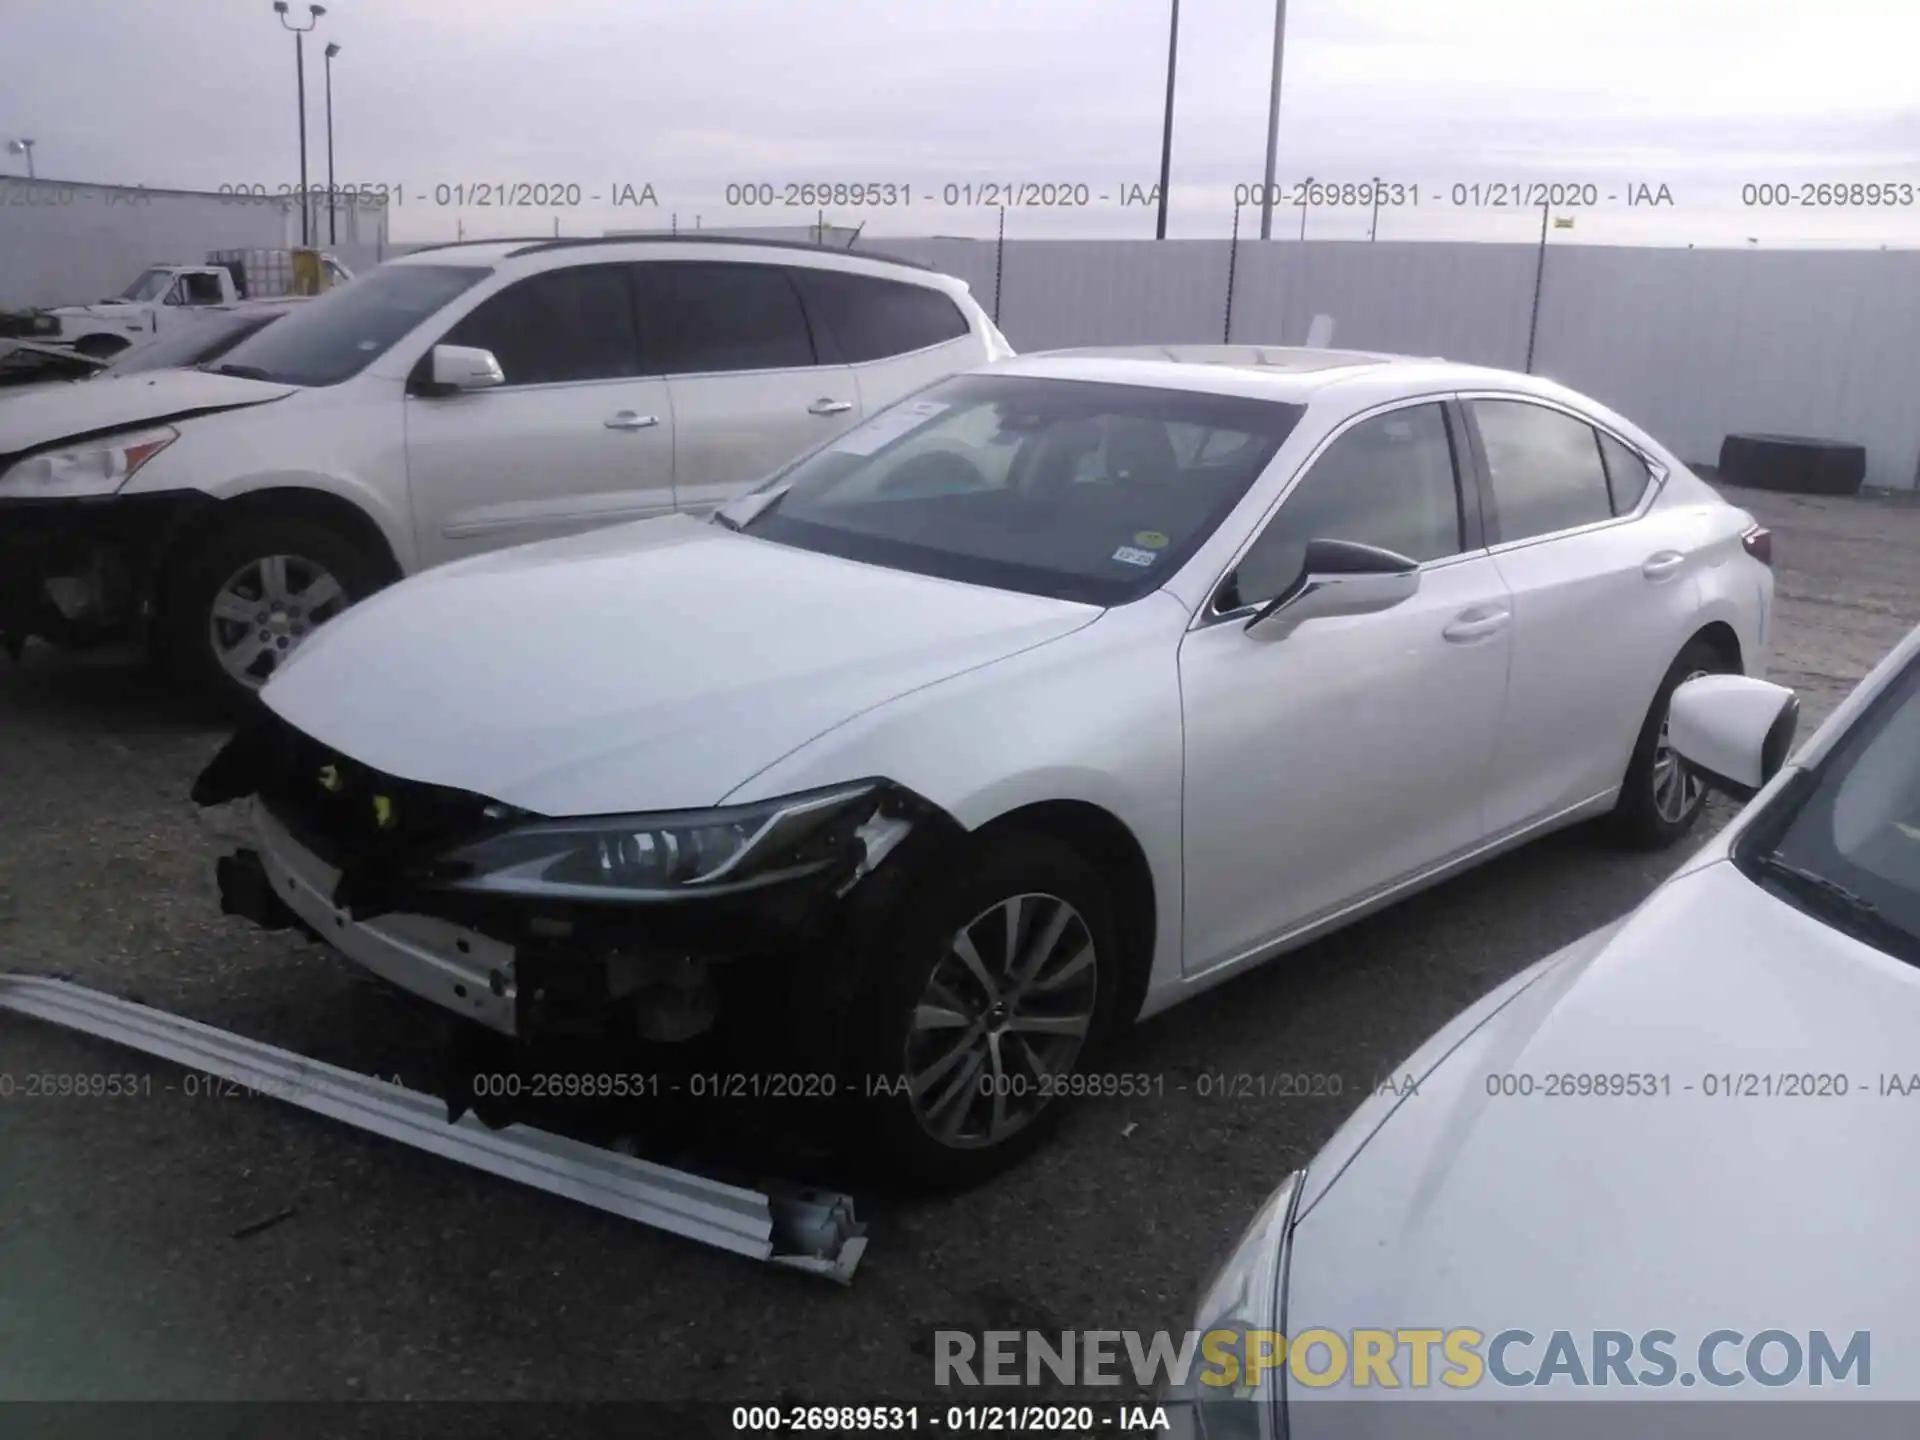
column 1663, row 564
column 631, row 420
column 1476, row 624
column 829, row 407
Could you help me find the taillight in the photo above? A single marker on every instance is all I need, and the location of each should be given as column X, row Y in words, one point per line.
column 1758, row 542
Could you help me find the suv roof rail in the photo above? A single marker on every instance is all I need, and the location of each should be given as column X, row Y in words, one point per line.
column 535, row 244
column 697, row 237
column 462, row 244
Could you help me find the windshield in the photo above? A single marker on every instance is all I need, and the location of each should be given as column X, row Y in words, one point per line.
column 1845, row 842
column 194, row 343
column 151, row 285
column 337, row 335
column 1067, row 488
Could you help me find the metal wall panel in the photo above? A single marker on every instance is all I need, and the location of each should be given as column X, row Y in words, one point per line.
column 1692, row 344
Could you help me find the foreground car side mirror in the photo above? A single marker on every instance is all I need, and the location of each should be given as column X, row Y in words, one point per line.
column 1338, row 577
column 1733, row 731
column 457, row 368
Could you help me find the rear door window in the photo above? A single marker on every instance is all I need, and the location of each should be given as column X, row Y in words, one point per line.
column 1544, row 467
column 710, row 317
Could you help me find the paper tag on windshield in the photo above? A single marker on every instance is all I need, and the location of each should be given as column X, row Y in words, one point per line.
column 1128, row 555
column 888, row 427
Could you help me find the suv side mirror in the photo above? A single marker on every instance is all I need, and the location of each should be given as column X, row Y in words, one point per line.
column 1733, row 731
column 453, row 369
column 1338, row 577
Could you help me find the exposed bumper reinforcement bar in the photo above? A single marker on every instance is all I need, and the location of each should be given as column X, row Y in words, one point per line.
column 805, row 1230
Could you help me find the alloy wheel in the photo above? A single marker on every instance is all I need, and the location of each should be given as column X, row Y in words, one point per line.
column 1001, row 1022
column 1676, row 789
column 265, row 609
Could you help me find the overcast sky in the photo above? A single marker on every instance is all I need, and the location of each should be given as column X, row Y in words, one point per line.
column 691, row 96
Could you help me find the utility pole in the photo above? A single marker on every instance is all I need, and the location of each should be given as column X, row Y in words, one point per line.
column 1273, row 118
column 333, row 200
column 1166, row 134
column 314, row 12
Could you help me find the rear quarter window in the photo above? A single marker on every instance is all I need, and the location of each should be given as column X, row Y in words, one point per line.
column 857, row 318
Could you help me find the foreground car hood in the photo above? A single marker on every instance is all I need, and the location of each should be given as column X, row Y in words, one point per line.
column 118, row 403
column 1686, row 1212
column 648, row 666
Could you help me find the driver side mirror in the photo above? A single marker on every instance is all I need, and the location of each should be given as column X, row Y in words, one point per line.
column 1338, row 577
column 1733, row 731
column 453, row 369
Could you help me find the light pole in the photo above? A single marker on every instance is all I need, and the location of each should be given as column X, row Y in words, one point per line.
column 314, row 12
column 1273, row 118
column 22, row 147
column 333, row 202
column 1166, row 134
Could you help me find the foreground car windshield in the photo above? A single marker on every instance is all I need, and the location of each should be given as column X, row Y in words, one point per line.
column 338, row 334
column 1068, row 488
column 1844, row 844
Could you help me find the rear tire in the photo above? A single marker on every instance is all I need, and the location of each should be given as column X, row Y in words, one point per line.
column 299, row 572
column 952, row 1052
column 1660, row 800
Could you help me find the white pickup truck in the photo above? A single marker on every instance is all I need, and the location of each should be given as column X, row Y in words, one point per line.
column 166, row 296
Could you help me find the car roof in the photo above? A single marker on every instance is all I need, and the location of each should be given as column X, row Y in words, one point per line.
column 1286, row 373
column 493, row 251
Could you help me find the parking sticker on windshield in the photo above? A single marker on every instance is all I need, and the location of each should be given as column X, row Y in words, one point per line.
column 888, row 427
column 1128, row 555
column 1151, row 540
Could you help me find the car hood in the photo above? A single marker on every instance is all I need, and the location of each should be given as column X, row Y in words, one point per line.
column 110, row 403
column 647, row 666
column 1689, row 1211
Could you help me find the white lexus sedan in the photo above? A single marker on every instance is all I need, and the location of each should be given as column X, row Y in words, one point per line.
column 1038, row 702
column 1673, row 1161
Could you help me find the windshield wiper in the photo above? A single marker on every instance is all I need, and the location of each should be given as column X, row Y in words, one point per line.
column 245, row 372
column 1834, row 901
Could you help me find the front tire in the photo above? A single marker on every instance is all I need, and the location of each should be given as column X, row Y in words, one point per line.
column 998, row 985
column 1661, row 799
column 245, row 598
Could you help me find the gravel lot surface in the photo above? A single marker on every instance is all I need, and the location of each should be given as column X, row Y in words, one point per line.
column 399, row 1275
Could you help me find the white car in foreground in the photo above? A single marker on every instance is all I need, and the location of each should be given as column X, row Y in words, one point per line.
column 1041, row 701
column 1685, row 1143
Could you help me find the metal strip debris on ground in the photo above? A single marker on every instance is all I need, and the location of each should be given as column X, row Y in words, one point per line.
column 807, row 1230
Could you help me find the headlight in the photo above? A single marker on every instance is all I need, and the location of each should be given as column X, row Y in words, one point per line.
column 667, row 856
column 46, row 324
column 1242, row 1296
column 94, row 467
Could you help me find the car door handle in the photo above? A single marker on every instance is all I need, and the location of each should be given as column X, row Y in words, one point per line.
column 1663, row 565
column 1476, row 624
column 829, row 407
column 631, row 420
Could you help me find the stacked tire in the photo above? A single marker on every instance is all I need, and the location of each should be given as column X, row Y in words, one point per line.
column 1797, row 464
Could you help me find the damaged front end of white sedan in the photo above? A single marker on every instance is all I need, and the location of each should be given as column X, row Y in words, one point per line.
column 699, row 955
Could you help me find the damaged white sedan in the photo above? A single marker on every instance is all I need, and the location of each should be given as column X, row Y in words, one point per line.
column 1036, row 703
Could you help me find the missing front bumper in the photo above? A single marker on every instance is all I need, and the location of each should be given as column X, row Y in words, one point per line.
column 801, row 1229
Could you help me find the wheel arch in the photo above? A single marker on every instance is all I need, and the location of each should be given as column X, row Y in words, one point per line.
column 1102, row 838
column 280, row 501
column 1724, row 640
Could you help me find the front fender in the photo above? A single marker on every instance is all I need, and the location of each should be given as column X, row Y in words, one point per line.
column 353, row 448
column 1092, row 717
